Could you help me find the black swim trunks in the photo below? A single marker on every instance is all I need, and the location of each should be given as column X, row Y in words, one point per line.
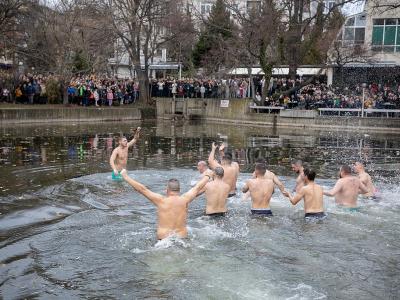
column 261, row 212
column 217, row 215
column 231, row 195
column 317, row 215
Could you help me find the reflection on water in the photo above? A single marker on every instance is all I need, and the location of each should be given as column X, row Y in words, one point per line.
column 68, row 231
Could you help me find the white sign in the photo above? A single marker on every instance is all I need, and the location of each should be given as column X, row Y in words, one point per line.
column 224, row 103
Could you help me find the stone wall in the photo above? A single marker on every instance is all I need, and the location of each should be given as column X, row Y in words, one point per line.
column 39, row 114
column 238, row 112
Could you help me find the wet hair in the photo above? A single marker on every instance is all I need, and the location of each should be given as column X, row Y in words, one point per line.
column 345, row 169
column 219, row 171
column 310, row 174
column 261, row 168
column 173, row 185
column 297, row 162
column 261, row 161
column 228, row 157
column 121, row 138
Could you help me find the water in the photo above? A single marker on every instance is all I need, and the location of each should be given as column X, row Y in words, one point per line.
column 68, row 232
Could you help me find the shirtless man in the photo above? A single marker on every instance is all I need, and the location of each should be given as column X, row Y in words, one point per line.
column 261, row 190
column 297, row 167
column 119, row 156
column 347, row 189
column 231, row 169
column 272, row 176
column 201, row 167
column 365, row 179
column 312, row 194
column 217, row 192
column 172, row 208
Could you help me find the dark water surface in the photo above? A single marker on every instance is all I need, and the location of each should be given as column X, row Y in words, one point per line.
column 68, row 232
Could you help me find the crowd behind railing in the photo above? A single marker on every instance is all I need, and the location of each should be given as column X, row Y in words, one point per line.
column 93, row 90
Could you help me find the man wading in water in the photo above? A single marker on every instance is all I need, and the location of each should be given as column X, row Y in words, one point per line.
column 312, row 194
column 216, row 192
column 119, row 156
column 172, row 208
column 231, row 169
column 347, row 189
column 261, row 190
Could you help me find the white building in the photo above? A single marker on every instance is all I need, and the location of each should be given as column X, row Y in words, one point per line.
column 376, row 33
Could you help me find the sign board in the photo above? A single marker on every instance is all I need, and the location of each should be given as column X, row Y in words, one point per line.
column 224, row 103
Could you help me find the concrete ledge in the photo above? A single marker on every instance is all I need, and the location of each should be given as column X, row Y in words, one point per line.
column 238, row 112
column 54, row 114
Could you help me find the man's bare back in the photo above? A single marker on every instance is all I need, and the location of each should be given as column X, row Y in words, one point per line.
column 172, row 208
column 231, row 169
column 261, row 191
column 216, row 193
column 347, row 189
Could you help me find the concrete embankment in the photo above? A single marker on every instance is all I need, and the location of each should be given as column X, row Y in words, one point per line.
column 59, row 114
column 237, row 111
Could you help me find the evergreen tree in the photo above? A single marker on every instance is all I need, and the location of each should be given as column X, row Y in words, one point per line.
column 218, row 29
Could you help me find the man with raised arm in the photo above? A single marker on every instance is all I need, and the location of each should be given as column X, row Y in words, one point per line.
column 261, row 190
column 172, row 208
column 272, row 176
column 347, row 189
column 313, row 196
column 297, row 167
column 119, row 156
column 365, row 179
column 231, row 169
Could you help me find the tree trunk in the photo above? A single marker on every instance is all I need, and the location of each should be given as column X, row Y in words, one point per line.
column 144, row 95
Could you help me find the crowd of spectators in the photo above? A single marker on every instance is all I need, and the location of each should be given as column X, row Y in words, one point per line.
column 93, row 90
column 200, row 88
column 320, row 95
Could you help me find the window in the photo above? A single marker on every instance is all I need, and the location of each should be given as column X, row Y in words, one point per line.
column 386, row 35
column 205, row 8
column 328, row 5
column 253, row 6
column 354, row 31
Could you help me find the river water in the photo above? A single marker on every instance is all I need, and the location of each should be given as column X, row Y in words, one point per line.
column 68, row 232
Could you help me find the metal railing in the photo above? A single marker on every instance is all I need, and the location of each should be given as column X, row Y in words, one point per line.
column 368, row 112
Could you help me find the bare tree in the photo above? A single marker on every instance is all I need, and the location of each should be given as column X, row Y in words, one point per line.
column 62, row 41
column 143, row 27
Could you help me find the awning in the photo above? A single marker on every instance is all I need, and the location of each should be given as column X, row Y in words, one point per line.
column 302, row 71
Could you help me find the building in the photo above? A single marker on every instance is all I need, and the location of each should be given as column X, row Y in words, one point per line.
column 369, row 44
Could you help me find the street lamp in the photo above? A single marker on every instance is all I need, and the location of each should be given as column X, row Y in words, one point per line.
column 364, row 85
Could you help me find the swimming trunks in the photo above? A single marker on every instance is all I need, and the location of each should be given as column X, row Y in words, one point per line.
column 217, row 215
column 116, row 177
column 317, row 215
column 261, row 212
column 231, row 195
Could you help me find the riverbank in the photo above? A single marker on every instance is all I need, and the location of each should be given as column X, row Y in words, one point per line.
column 19, row 114
column 237, row 111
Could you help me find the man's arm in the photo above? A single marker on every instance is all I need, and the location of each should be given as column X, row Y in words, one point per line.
column 135, row 137
column 212, row 162
column 335, row 190
column 112, row 161
column 279, row 184
column 296, row 198
column 363, row 188
column 193, row 192
column 153, row 197
column 245, row 188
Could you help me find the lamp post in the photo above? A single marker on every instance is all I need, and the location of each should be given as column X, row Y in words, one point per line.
column 364, row 85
